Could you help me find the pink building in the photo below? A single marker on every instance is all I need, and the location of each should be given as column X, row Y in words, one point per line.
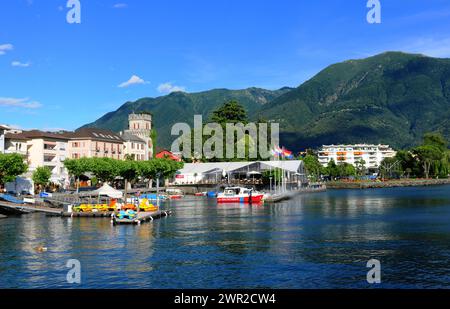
column 91, row 143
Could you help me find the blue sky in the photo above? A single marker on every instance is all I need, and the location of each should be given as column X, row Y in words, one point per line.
column 56, row 75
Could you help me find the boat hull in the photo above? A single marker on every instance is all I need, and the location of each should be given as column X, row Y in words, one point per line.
column 240, row 199
column 175, row 197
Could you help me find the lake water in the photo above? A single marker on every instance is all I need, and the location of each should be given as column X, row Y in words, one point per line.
column 321, row 240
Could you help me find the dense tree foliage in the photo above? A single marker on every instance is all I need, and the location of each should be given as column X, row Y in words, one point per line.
column 431, row 159
column 107, row 170
column 231, row 112
column 41, row 177
column 11, row 166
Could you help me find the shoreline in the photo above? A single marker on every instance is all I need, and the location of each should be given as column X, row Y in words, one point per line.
column 337, row 185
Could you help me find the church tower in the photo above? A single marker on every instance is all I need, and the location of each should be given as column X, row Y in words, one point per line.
column 141, row 126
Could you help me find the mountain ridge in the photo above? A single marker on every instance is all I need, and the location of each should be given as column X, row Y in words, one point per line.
column 391, row 98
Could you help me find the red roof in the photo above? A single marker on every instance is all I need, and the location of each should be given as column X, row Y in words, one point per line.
column 167, row 154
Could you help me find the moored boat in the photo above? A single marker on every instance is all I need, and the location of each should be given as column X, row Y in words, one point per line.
column 239, row 195
column 174, row 194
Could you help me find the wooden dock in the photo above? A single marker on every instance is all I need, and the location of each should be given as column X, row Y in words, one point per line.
column 19, row 209
column 143, row 217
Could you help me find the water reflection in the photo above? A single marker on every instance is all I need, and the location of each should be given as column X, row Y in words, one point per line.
column 315, row 241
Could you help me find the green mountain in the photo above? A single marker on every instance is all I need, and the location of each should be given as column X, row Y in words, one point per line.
column 181, row 107
column 390, row 98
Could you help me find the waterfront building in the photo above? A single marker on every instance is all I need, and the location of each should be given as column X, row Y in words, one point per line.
column 140, row 125
column 238, row 172
column 50, row 150
column 134, row 146
column 372, row 155
column 91, row 143
column 40, row 149
column 16, row 143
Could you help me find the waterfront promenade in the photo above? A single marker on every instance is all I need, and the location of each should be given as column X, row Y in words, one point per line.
column 386, row 184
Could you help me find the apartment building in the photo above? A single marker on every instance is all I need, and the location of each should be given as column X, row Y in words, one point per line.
column 16, row 143
column 372, row 155
column 91, row 143
column 134, row 146
column 40, row 149
column 50, row 150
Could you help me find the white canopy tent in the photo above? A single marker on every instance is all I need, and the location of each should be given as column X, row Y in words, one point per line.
column 108, row 191
column 195, row 172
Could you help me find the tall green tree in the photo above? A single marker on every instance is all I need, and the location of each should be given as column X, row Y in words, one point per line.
column 360, row 166
column 391, row 168
column 77, row 168
column 154, row 137
column 41, row 177
column 105, row 169
column 230, row 112
column 427, row 155
column 332, row 169
column 435, row 139
column 346, row 170
column 313, row 166
column 128, row 170
column 11, row 166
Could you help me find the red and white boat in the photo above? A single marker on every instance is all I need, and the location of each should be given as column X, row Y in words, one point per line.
column 239, row 195
column 174, row 194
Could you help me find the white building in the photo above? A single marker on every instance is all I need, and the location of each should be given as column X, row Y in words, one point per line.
column 134, row 146
column 3, row 130
column 372, row 155
column 41, row 149
column 213, row 172
column 16, row 143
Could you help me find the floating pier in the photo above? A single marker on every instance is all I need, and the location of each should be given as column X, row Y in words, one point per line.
column 143, row 217
column 88, row 214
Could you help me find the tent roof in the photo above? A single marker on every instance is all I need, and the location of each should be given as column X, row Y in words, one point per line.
column 108, row 191
column 204, row 168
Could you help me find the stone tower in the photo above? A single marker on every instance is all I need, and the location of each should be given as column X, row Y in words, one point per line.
column 141, row 126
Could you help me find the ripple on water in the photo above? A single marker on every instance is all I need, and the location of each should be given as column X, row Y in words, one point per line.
column 315, row 241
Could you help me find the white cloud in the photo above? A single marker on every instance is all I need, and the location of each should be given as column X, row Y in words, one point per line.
column 120, row 6
column 5, row 47
column 169, row 88
column 20, row 64
column 23, row 103
column 134, row 80
column 434, row 47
